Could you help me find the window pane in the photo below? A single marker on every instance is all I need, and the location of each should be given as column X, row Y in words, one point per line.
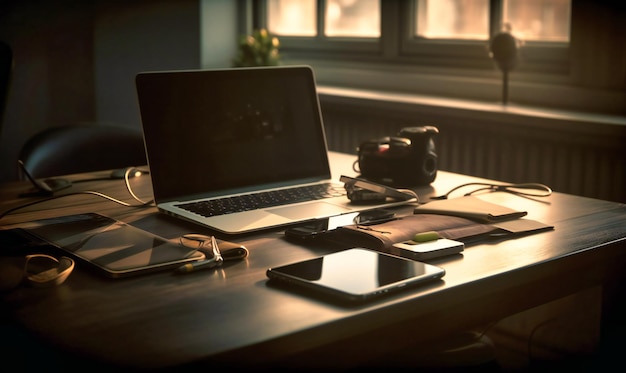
column 545, row 20
column 292, row 17
column 452, row 19
column 353, row 18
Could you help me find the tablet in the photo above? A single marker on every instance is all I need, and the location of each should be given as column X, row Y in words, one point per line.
column 114, row 248
column 355, row 274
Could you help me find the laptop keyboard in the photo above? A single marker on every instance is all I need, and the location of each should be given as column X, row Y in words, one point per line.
column 261, row 200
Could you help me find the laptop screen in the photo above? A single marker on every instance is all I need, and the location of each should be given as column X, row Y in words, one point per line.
column 210, row 131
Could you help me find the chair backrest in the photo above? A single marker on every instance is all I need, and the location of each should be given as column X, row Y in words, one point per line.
column 73, row 149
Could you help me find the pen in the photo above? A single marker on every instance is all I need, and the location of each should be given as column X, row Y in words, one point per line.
column 228, row 254
column 201, row 264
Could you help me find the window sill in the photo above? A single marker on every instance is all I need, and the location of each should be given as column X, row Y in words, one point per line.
column 529, row 116
column 494, row 109
column 537, row 91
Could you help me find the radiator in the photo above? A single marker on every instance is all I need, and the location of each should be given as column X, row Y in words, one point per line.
column 581, row 170
column 567, row 163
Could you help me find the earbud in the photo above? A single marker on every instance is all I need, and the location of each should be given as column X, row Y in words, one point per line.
column 54, row 272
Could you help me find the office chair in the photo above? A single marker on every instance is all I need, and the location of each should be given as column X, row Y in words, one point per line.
column 74, row 149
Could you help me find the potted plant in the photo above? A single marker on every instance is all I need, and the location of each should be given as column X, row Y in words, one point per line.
column 258, row 49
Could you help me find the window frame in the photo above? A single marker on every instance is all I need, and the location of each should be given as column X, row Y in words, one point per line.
column 398, row 45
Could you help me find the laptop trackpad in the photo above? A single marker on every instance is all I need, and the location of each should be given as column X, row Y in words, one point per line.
column 312, row 210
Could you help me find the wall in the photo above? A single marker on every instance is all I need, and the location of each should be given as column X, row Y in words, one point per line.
column 75, row 60
column 139, row 36
column 52, row 81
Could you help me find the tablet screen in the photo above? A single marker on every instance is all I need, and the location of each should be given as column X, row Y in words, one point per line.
column 356, row 274
column 117, row 248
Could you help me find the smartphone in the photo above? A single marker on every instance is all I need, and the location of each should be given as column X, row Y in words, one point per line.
column 110, row 246
column 355, row 275
column 316, row 227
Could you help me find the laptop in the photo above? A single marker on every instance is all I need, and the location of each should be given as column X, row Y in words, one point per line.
column 213, row 137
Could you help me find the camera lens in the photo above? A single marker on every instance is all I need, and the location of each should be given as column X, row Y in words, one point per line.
column 430, row 165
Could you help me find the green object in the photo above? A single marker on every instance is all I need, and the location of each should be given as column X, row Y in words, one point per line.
column 258, row 49
column 426, row 236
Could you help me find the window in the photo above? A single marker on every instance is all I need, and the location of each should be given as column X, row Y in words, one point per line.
column 452, row 19
column 452, row 33
column 538, row 20
column 543, row 20
column 352, row 18
column 341, row 18
column 292, row 17
column 440, row 48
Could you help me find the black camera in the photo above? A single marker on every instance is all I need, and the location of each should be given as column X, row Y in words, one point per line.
column 406, row 160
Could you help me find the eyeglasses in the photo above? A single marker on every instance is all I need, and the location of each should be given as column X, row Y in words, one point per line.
column 208, row 245
column 43, row 270
column 205, row 244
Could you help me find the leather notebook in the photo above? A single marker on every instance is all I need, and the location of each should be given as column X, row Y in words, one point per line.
column 383, row 236
column 470, row 207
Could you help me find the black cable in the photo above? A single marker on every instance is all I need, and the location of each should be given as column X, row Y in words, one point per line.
column 529, row 342
column 541, row 189
column 142, row 203
column 105, row 178
column 130, row 189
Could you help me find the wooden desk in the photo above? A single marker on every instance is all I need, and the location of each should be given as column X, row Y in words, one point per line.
column 230, row 316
